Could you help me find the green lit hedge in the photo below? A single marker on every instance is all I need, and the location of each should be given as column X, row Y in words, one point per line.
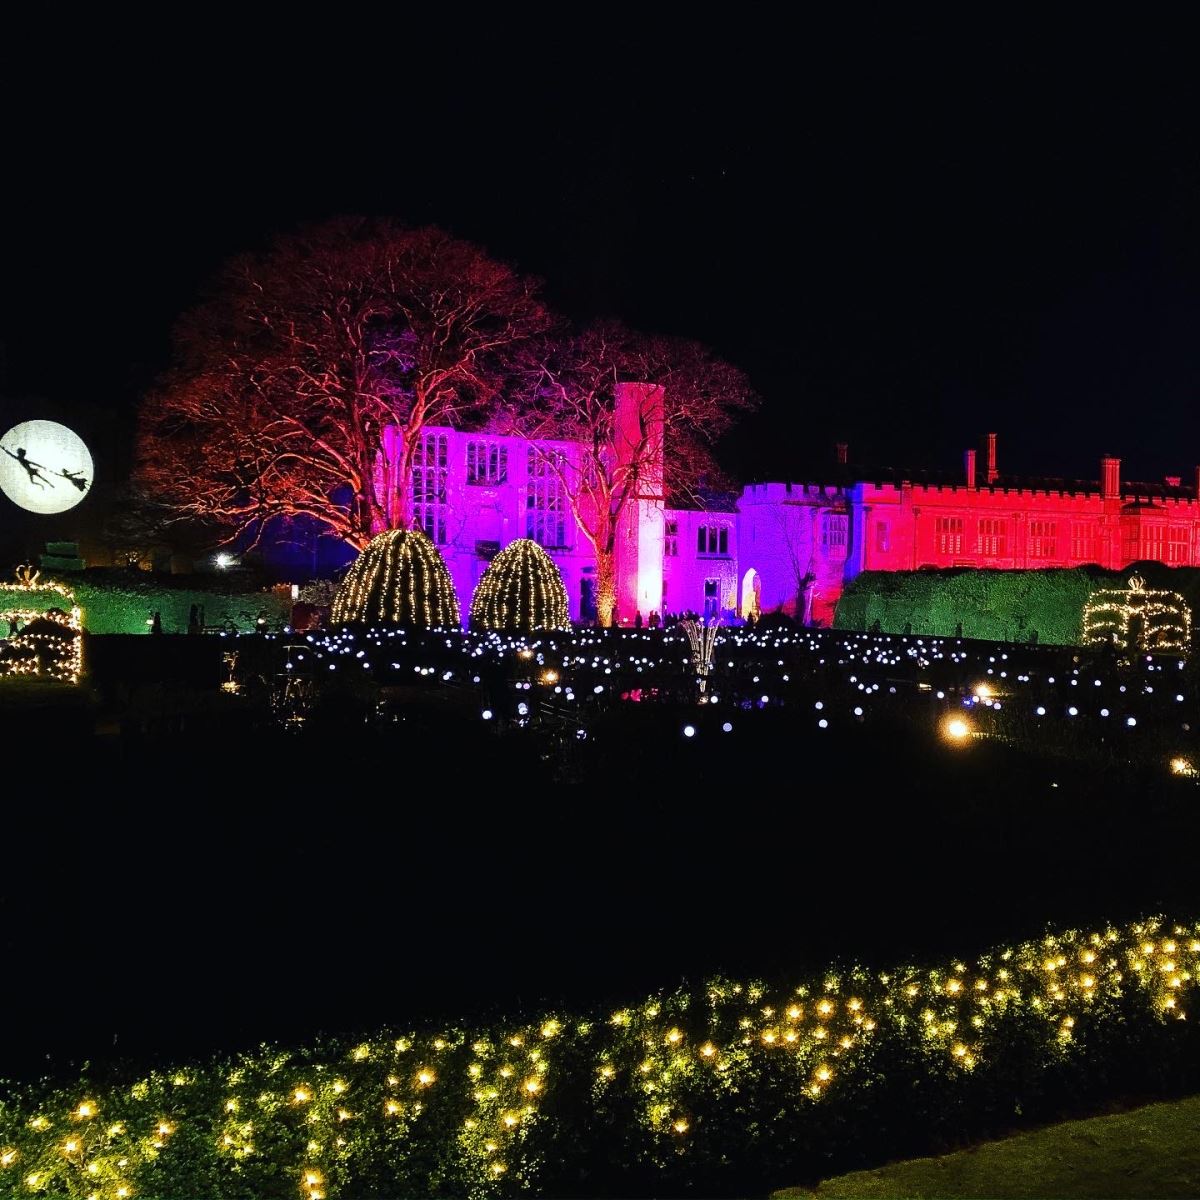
column 123, row 601
column 996, row 605
column 725, row 1088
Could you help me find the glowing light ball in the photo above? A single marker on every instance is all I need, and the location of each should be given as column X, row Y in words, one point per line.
column 522, row 590
column 44, row 467
column 399, row 579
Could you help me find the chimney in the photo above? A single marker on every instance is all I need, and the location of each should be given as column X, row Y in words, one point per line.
column 969, row 464
column 992, row 473
column 843, row 451
column 1110, row 477
column 1198, row 483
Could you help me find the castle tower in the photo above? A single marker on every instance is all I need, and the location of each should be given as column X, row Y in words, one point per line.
column 638, row 434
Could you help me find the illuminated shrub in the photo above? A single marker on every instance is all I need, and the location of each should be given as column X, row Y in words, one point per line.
column 399, row 579
column 730, row 1087
column 521, row 590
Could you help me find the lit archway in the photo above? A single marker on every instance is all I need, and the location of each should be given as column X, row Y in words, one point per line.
column 751, row 605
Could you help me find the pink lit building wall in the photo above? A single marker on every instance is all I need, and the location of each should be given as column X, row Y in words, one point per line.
column 787, row 546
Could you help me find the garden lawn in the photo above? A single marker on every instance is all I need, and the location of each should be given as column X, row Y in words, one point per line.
column 1150, row 1152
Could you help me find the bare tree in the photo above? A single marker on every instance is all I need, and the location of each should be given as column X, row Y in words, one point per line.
column 568, row 388
column 287, row 378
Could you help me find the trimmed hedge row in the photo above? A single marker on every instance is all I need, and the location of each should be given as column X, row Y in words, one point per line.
column 1014, row 606
column 726, row 1088
column 117, row 601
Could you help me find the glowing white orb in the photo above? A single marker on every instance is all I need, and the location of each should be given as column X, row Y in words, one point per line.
column 44, row 467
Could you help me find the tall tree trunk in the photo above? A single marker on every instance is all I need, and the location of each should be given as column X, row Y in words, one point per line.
column 606, row 586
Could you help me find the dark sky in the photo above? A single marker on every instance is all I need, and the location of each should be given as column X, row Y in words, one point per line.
column 905, row 234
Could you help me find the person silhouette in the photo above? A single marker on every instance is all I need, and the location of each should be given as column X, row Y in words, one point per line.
column 75, row 477
column 32, row 469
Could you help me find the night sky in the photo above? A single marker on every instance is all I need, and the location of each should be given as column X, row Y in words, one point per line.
column 906, row 235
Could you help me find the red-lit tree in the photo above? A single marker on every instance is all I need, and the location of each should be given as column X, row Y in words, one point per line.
column 286, row 378
column 568, row 390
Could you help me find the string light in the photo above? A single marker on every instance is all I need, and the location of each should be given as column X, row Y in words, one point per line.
column 1064, row 983
column 1157, row 620
column 56, row 651
column 521, row 590
column 399, row 579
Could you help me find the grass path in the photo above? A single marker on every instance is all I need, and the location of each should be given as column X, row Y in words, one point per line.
column 1151, row 1152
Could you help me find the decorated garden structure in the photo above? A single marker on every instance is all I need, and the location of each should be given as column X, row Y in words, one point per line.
column 399, row 579
column 45, row 628
column 522, row 590
column 1148, row 620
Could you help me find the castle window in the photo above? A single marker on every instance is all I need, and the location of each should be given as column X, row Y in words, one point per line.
column 835, row 529
column 1083, row 541
column 1152, row 542
column 546, row 500
column 949, row 532
column 712, row 541
column 993, row 537
column 487, row 463
column 670, row 538
column 429, row 486
column 1177, row 545
column 712, row 599
column 883, row 539
column 1043, row 539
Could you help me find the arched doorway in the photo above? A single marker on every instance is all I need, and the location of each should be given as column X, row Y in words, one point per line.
column 751, row 605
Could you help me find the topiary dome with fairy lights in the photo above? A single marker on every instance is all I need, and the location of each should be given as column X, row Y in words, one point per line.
column 521, row 590
column 399, row 579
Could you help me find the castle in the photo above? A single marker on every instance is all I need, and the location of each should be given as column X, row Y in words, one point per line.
column 783, row 546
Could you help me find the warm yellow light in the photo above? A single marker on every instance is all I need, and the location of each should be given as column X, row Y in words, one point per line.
column 163, row 1128
column 795, row 1012
column 960, row 1051
column 956, row 729
column 606, row 1071
column 533, row 1085
column 549, row 676
column 983, row 691
column 8, row 1157
column 550, row 1028
column 392, row 1108
column 674, row 1037
column 825, row 1008
column 708, row 1050
column 231, row 1106
column 301, row 1096
column 824, row 1074
column 680, row 1126
column 498, row 1168
column 425, row 1077
column 71, row 1146
column 1183, row 766
column 86, row 1109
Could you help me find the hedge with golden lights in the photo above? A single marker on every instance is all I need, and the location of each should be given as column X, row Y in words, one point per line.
column 399, row 579
column 726, row 1088
column 521, row 591
column 994, row 605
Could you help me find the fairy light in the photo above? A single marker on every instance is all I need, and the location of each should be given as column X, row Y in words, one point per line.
column 521, row 590
column 58, row 654
column 1164, row 622
column 1061, row 982
column 399, row 579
